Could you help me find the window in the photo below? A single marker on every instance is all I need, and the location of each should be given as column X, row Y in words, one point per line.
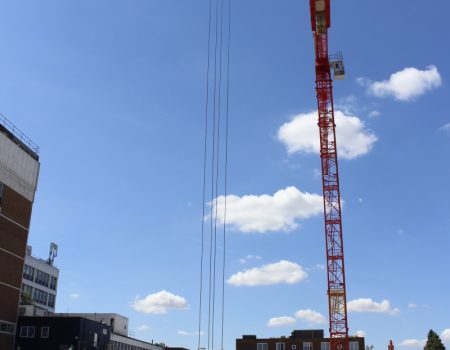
column 27, row 294
column 45, row 331
column 261, row 346
column 279, row 346
column 42, row 278
column 51, row 300
column 28, row 273
column 27, row 331
column 307, row 346
column 354, row 345
column 6, row 327
column 40, row 297
column 53, row 282
column 324, row 345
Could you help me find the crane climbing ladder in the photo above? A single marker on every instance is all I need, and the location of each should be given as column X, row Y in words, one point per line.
column 337, row 305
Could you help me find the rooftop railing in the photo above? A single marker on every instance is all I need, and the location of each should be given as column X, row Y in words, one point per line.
column 19, row 134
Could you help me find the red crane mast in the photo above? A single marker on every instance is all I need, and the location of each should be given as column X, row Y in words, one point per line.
column 337, row 305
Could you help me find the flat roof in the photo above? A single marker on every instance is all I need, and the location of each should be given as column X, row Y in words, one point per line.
column 22, row 140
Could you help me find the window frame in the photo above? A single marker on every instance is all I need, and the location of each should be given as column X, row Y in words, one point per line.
column 25, row 332
column 47, row 328
column 7, row 327
column 307, row 345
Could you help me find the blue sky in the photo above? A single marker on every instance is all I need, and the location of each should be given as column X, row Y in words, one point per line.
column 113, row 92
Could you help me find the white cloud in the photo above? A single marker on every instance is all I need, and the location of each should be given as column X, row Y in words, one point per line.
column 264, row 213
column 75, row 296
column 413, row 343
column 248, row 258
column 412, row 305
column 301, row 134
column 184, row 333
column 361, row 333
column 374, row 114
column 445, row 127
column 320, row 266
column 281, row 321
column 281, row 272
column 144, row 327
column 406, row 84
column 188, row 334
column 368, row 305
column 160, row 303
column 445, row 335
column 310, row 316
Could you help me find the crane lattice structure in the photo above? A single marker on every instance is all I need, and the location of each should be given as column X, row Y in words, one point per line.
column 337, row 305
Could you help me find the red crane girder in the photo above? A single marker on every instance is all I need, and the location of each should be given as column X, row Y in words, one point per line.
column 337, row 305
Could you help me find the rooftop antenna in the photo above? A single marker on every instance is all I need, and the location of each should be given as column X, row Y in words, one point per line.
column 53, row 253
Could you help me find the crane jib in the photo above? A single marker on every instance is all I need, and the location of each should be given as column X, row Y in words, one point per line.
column 337, row 304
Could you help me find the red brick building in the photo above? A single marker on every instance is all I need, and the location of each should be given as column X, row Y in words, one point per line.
column 19, row 169
column 312, row 339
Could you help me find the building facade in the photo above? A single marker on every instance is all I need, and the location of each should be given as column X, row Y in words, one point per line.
column 19, row 170
column 39, row 284
column 299, row 340
column 61, row 333
column 82, row 331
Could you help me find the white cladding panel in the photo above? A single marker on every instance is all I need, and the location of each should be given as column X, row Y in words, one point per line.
column 134, row 342
column 41, row 265
column 18, row 169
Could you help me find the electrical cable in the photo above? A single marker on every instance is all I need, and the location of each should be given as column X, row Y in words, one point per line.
column 226, row 171
column 212, row 144
column 204, row 178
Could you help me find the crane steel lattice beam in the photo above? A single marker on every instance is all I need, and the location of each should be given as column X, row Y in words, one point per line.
column 320, row 20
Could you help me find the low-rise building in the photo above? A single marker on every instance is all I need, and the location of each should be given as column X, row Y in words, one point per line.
column 61, row 333
column 39, row 283
column 78, row 331
column 312, row 339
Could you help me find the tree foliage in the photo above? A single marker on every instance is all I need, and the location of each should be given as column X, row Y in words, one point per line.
column 433, row 342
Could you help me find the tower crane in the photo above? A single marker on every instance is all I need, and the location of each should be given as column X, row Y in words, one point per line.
column 337, row 305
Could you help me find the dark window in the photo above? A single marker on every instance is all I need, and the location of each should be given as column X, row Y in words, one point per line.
column 27, row 331
column 40, row 297
column 51, row 300
column 6, row 327
column 42, row 278
column 53, row 281
column 28, row 273
column 45, row 331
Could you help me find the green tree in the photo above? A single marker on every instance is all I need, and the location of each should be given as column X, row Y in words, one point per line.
column 26, row 299
column 433, row 342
